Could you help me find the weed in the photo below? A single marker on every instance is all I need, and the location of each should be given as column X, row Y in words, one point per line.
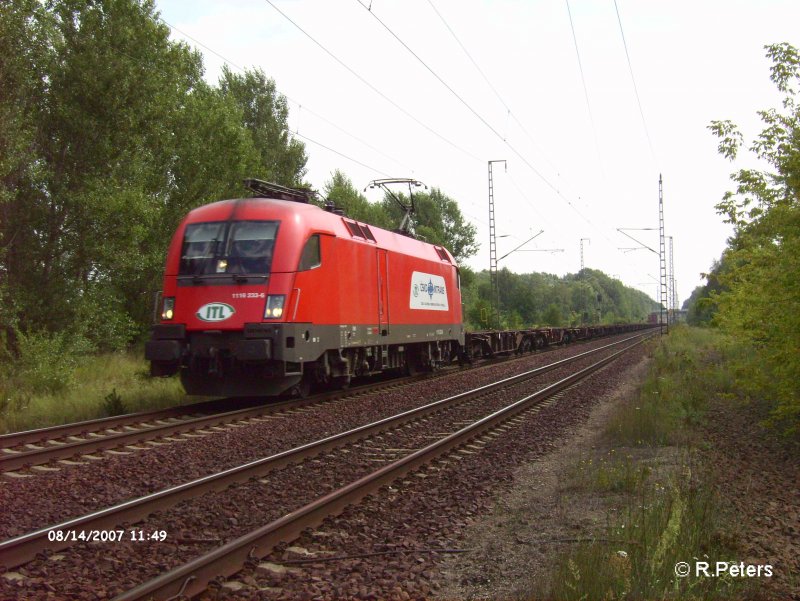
column 113, row 404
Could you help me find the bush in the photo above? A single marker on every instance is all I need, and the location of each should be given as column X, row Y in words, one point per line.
column 45, row 362
column 113, row 404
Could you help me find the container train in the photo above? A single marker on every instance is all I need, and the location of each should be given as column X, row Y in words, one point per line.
column 274, row 294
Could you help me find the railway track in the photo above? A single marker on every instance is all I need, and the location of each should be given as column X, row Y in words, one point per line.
column 77, row 443
column 72, row 442
column 228, row 558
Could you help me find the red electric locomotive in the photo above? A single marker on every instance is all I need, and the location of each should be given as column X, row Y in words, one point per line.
column 268, row 294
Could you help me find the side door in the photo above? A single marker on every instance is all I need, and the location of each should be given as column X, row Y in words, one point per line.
column 383, row 291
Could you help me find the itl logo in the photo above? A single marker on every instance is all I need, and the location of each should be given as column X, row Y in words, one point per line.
column 215, row 312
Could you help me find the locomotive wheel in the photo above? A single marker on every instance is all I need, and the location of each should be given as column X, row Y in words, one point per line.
column 302, row 389
column 340, row 383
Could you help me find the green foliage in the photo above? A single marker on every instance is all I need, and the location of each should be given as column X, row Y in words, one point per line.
column 437, row 218
column 635, row 556
column 553, row 316
column 109, row 136
column 759, row 299
column 689, row 367
column 90, row 378
column 113, row 404
column 45, row 362
column 340, row 191
column 661, row 508
column 540, row 299
column 266, row 113
column 608, row 474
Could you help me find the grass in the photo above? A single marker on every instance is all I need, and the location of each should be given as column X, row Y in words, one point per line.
column 84, row 387
column 688, row 369
column 611, row 473
column 659, row 510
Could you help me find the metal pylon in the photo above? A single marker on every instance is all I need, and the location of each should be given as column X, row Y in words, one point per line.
column 675, row 299
column 662, row 259
column 493, row 247
column 671, row 285
column 582, row 239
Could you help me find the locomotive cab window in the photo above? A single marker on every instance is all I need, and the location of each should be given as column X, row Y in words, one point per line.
column 311, row 256
column 200, row 245
column 237, row 247
column 250, row 247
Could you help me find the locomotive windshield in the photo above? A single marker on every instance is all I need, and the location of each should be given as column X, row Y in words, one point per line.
column 228, row 247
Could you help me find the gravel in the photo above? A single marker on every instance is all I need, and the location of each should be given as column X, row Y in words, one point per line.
column 53, row 497
column 426, row 510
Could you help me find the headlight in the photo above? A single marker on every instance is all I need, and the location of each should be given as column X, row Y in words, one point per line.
column 274, row 307
column 168, row 308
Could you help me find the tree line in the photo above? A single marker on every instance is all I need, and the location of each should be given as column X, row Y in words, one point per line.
column 109, row 136
column 753, row 291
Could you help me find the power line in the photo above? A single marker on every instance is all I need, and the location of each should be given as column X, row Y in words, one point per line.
column 633, row 80
column 347, row 133
column 506, row 142
column 505, row 105
column 211, row 50
column 341, row 154
column 369, row 85
column 583, row 81
column 301, row 107
column 549, row 184
column 509, row 112
column 432, row 72
column 321, row 117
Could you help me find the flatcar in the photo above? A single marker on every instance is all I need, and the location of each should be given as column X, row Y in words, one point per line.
column 274, row 294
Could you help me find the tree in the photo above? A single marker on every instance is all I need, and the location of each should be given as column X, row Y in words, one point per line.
column 266, row 116
column 553, row 316
column 24, row 56
column 437, row 220
column 760, row 300
column 109, row 136
column 341, row 191
column 106, row 87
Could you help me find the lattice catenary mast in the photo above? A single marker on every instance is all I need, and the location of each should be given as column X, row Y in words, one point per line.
column 582, row 239
column 661, row 254
column 493, row 244
column 671, row 308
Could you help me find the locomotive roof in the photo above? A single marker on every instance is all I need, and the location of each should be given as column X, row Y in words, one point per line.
column 299, row 220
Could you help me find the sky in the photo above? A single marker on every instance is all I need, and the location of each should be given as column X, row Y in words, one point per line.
column 435, row 89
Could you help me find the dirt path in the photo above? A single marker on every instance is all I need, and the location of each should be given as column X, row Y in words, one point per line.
column 514, row 545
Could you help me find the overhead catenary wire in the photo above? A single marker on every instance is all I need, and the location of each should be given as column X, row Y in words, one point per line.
column 505, row 104
column 355, row 160
column 509, row 112
column 302, row 107
column 370, row 86
column 493, row 130
column 293, row 101
column 635, row 87
column 583, row 81
column 319, row 116
column 483, row 120
column 341, row 154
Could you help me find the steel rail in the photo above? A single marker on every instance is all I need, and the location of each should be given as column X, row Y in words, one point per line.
column 21, row 549
column 42, row 435
column 12, row 460
column 15, row 439
column 192, row 578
